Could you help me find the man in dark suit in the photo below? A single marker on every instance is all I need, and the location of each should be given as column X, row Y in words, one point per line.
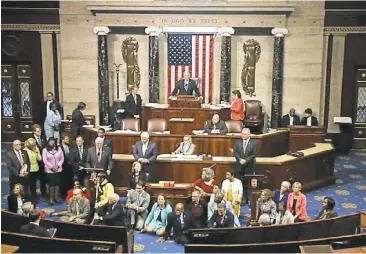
column 309, row 119
column 78, row 120
column 33, row 227
column 112, row 214
column 106, row 141
column 133, row 104
column 245, row 152
column 67, row 171
column 180, row 222
column 99, row 156
column 290, row 119
column 78, row 156
column 41, row 143
column 18, row 165
column 186, row 86
column 145, row 152
column 215, row 125
column 197, row 210
column 47, row 103
column 221, row 218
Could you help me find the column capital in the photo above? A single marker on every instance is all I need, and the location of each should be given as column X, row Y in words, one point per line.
column 225, row 31
column 101, row 30
column 279, row 32
column 153, row 30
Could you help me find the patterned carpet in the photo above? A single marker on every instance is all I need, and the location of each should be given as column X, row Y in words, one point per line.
column 349, row 193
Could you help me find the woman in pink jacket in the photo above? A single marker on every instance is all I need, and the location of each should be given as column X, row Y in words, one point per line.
column 296, row 203
column 53, row 158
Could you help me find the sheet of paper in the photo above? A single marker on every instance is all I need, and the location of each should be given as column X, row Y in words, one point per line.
column 223, row 159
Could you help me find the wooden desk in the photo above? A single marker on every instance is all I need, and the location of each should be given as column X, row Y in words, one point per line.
column 200, row 115
column 268, row 144
column 314, row 170
column 8, row 248
column 302, row 137
column 176, row 194
column 352, row 250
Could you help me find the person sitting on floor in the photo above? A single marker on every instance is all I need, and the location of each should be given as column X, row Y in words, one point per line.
column 221, row 218
column 296, row 203
column 137, row 175
column 283, row 216
column 232, row 188
column 78, row 209
column 33, row 228
column 103, row 190
column 111, row 214
column 213, row 206
column 17, row 199
column 84, row 192
column 215, row 189
column 327, row 211
column 265, row 205
column 198, row 210
column 138, row 201
column 264, row 220
column 281, row 195
column 158, row 217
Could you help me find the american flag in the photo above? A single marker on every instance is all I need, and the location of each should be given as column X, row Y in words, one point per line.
column 193, row 53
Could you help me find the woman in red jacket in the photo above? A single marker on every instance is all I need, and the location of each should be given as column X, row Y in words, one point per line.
column 296, row 203
column 237, row 106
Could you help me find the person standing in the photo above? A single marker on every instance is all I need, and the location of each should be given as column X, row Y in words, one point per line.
column 237, row 106
column 99, row 156
column 245, row 152
column 41, row 143
column 232, row 188
column 186, row 86
column 46, row 105
column 133, row 104
column 53, row 159
column 17, row 162
column 146, row 153
column 78, row 158
column 52, row 123
column 78, row 120
column 67, row 173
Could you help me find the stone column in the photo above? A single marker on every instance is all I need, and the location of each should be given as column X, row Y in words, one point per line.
column 153, row 33
column 102, row 33
column 277, row 76
column 47, row 62
column 225, row 70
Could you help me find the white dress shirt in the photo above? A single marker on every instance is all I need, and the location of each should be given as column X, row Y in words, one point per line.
column 308, row 121
column 291, row 120
column 144, row 148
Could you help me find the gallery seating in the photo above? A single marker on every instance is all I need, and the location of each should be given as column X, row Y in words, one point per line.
column 156, row 125
column 130, row 124
column 36, row 244
column 339, row 226
column 12, row 222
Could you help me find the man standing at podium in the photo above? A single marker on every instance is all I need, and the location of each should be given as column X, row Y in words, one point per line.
column 186, row 86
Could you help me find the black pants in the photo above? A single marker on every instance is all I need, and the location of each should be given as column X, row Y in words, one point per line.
column 33, row 177
column 66, row 179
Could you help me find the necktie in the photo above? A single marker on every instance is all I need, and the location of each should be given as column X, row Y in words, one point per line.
column 81, row 152
column 245, row 145
column 138, row 200
column 39, row 141
column 144, row 147
column 222, row 219
column 214, row 127
column 186, row 86
column 134, row 98
column 20, row 158
column 77, row 208
column 99, row 153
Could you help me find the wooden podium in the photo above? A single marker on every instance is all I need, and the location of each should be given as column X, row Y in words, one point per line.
column 185, row 101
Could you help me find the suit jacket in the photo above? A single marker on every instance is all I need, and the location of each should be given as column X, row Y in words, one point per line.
column 237, row 109
column 32, row 229
column 192, row 86
column 300, row 208
column 200, row 219
column 75, row 159
column 215, row 221
column 113, row 215
column 174, row 222
column 105, row 161
column 249, row 155
column 13, row 164
column 151, row 154
column 77, row 123
column 13, row 202
column 131, row 184
column 212, row 207
column 188, row 152
column 286, row 120
column 314, row 121
column 143, row 202
column 84, row 208
column 284, row 198
column 131, row 107
column 220, row 126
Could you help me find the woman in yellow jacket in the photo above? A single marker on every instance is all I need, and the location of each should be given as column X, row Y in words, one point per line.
column 103, row 190
column 34, row 157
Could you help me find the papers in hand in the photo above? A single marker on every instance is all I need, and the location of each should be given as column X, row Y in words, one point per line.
column 186, row 158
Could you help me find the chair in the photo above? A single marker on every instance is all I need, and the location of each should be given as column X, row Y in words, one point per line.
column 156, row 125
column 253, row 114
column 130, row 124
column 234, row 126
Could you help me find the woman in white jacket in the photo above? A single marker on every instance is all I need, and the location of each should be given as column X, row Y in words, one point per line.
column 52, row 123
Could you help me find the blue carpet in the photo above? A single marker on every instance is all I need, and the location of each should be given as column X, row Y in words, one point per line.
column 349, row 193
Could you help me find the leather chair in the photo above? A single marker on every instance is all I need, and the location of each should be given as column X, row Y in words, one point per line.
column 130, row 124
column 253, row 115
column 234, row 126
column 156, row 125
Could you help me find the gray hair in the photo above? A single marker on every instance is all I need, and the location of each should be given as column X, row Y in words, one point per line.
column 145, row 134
column 264, row 219
column 98, row 140
column 246, row 130
column 221, row 205
column 209, row 172
column 115, row 196
column 286, row 184
column 27, row 207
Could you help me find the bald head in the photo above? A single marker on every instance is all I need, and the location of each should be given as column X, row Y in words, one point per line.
column 17, row 145
column 179, row 208
column 76, row 193
column 215, row 118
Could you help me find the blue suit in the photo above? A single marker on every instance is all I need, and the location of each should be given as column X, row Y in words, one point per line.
column 277, row 199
